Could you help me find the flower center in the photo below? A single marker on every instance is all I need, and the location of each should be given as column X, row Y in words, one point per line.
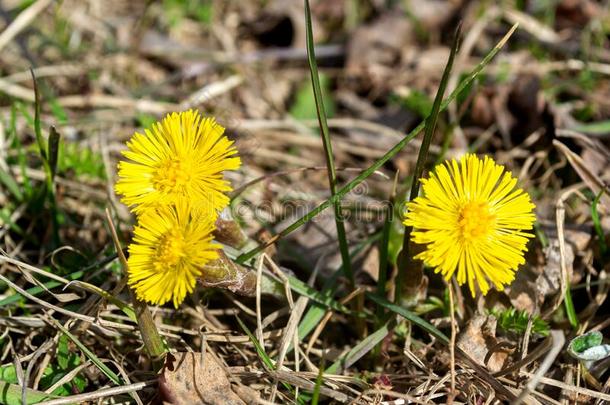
column 170, row 251
column 171, row 175
column 475, row 220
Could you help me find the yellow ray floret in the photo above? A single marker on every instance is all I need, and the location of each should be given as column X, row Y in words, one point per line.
column 184, row 155
column 171, row 245
column 472, row 219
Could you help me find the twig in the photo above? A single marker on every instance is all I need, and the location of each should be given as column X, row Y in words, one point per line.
column 211, row 91
column 558, row 341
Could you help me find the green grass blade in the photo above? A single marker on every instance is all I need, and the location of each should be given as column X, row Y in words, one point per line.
column 327, row 301
column 316, row 389
column 37, row 128
column 603, row 248
column 570, row 310
column 328, row 148
column 267, row 361
column 410, row 316
column 420, row 165
column 11, row 185
column 387, row 156
column 17, row 145
column 89, row 354
column 262, row 354
column 124, row 307
column 361, row 349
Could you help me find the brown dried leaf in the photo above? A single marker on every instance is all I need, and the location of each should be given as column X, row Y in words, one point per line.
column 479, row 339
column 193, row 379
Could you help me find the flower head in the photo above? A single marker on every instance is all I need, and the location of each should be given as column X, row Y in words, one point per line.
column 171, row 245
column 471, row 218
column 182, row 156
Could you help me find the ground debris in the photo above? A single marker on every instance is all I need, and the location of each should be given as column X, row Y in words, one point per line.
column 193, row 379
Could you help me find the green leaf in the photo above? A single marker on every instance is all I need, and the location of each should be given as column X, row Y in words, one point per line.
column 588, row 340
column 594, row 128
column 417, row 102
column 89, row 354
column 304, row 107
column 37, row 290
column 516, row 321
column 126, row 308
column 9, row 374
column 63, row 353
column 58, row 112
column 10, row 394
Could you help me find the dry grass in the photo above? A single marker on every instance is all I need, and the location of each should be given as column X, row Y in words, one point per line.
column 108, row 68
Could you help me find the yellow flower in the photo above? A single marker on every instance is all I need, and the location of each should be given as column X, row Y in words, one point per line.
column 182, row 156
column 171, row 245
column 471, row 217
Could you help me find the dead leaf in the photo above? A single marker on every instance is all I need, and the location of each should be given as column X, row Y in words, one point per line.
column 549, row 281
column 479, row 339
column 196, row 379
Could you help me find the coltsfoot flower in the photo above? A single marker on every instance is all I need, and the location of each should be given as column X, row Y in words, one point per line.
column 171, row 245
column 472, row 219
column 183, row 156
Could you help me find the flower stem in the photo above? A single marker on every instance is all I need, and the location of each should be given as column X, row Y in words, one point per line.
column 148, row 329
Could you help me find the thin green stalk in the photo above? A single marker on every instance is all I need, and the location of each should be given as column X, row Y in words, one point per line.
column 570, row 310
column 328, row 148
column 361, row 349
column 268, row 363
column 387, row 156
column 417, row 272
column 319, row 380
column 45, row 150
column 603, row 248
